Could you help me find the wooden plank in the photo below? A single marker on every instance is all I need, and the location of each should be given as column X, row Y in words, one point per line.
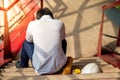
column 18, row 70
column 109, row 69
column 106, row 65
column 106, row 76
column 85, row 58
column 13, row 73
column 106, row 68
column 11, row 65
column 89, row 60
column 4, row 74
column 39, row 78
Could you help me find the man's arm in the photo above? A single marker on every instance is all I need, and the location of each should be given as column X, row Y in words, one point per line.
column 29, row 36
column 63, row 34
column 64, row 42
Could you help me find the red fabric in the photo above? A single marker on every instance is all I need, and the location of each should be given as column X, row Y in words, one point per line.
column 101, row 26
column 17, row 37
column 111, row 58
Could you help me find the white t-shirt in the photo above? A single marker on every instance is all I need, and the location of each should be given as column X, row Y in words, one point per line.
column 47, row 34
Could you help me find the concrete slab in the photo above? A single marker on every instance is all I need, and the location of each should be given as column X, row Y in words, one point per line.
column 82, row 19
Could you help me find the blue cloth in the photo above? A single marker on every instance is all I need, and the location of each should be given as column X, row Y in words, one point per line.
column 114, row 15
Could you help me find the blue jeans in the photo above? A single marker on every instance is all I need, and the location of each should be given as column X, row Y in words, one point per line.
column 27, row 52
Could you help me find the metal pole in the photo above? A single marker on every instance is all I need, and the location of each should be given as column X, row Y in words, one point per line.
column 7, row 47
column 41, row 4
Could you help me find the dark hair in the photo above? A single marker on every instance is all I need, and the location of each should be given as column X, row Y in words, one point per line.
column 43, row 11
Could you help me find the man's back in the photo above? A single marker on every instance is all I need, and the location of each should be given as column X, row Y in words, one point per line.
column 47, row 34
